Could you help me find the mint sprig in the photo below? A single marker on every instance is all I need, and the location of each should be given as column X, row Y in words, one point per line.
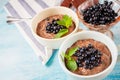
column 65, row 21
column 66, row 56
column 61, row 33
column 71, row 63
column 72, row 51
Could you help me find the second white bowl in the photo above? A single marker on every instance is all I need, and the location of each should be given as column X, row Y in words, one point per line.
column 53, row 43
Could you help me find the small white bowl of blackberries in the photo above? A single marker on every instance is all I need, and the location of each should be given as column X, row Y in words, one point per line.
column 98, row 15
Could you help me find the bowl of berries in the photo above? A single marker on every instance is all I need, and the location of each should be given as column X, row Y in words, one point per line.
column 88, row 55
column 99, row 16
column 53, row 25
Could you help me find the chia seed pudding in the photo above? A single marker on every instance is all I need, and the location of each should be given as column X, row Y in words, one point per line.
column 91, row 57
column 48, row 27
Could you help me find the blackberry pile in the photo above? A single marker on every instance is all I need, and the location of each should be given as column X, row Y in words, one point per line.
column 53, row 27
column 88, row 57
column 100, row 14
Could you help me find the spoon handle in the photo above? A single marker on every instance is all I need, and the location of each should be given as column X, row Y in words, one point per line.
column 11, row 19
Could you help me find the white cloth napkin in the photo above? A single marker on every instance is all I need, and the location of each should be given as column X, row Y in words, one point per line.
column 28, row 9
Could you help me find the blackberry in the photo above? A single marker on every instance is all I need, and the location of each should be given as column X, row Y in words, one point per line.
column 92, row 58
column 87, row 61
column 80, row 65
column 78, row 62
column 53, row 27
column 80, row 58
column 100, row 14
column 86, row 66
column 88, row 57
column 91, row 66
column 106, row 2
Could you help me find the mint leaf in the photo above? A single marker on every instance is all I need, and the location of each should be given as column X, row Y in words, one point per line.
column 68, row 21
column 61, row 22
column 71, row 65
column 66, row 56
column 65, row 21
column 61, row 33
column 72, row 51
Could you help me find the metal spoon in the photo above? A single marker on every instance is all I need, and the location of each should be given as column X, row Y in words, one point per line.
column 11, row 19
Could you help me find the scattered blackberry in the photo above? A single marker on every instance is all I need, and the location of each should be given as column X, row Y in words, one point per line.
column 53, row 27
column 100, row 14
column 88, row 57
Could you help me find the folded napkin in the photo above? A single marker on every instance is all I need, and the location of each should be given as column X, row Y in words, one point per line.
column 28, row 9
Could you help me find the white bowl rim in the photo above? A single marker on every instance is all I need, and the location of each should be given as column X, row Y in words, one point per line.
column 89, row 76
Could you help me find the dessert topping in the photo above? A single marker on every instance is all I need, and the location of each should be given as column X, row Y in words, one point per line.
column 59, row 27
column 100, row 14
column 54, row 27
column 88, row 57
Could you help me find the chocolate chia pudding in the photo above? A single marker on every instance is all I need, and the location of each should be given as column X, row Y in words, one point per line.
column 91, row 57
column 48, row 27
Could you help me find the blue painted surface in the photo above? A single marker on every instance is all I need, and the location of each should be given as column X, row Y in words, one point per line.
column 19, row 62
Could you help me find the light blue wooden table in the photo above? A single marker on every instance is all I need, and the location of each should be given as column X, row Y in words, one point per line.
column 19, row 62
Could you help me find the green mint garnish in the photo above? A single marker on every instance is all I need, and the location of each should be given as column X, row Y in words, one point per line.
column 72, row 51
column 71, row 63
column 65, row 21
column 66, row 56
column 61, row 33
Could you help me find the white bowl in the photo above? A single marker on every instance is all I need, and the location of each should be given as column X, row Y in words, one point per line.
column 53, row 43
column 89, row 35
